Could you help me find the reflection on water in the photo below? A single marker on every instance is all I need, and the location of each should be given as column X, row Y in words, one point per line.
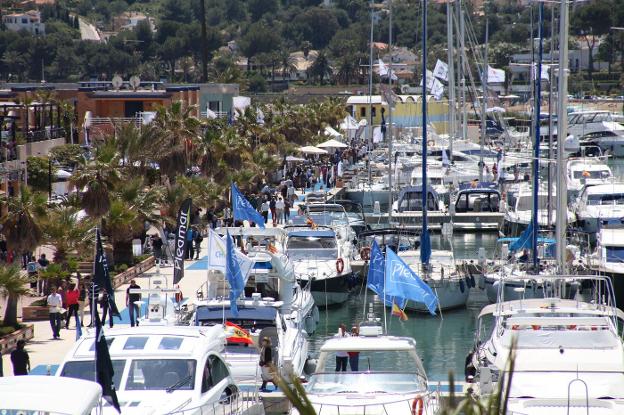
column 442, row 341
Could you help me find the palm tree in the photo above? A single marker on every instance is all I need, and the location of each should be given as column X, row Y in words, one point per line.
column 96, row 179
column 320, row 68
column 66, row 231
column 178, row 133
column 12, row 286
column 22, row 223
column 288, row 63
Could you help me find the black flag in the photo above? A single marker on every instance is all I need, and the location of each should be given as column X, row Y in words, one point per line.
column 104, row 366
column 101, row 277
column 179, row 251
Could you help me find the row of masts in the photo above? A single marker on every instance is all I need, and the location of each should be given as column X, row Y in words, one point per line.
column 561, row 224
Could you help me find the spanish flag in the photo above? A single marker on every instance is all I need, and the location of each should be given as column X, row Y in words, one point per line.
column 271, row 248
column 396, row 311
column 236, row 334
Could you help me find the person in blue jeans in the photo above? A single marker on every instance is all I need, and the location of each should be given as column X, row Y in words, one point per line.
column 132, row 300
column 190, row 250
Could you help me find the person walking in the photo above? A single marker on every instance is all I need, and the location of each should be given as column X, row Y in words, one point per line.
column 132, row 300
column 279, row 208
column 197, row 240
column 264, row 208
column 32, row 270
column 342, row 357
column 105, row 306
column 82, row 301
column 157, row 245
column 190, row 250
column 72, row 305
column 55, row 303
column 266, row 364
column 20, row 359
column 272, row 207
column 43, row 266
column 286, row 211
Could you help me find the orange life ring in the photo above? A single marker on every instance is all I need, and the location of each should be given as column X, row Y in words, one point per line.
column 418, row 405
column 365, row 253
column 536, row 327
column 339, row 265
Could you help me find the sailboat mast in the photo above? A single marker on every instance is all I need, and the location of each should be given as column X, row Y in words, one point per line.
column 484, row 101
column 451, row 78
column 562, row 133
column 536, row 145
column 389, row 127
column 462, row 68
column 370, row 95
column 425, row 231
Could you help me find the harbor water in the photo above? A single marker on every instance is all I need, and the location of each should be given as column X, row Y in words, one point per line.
column 442, row 341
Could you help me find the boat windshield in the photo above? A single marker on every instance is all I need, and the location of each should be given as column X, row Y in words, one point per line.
column 603, row 385
column 592, row 174
column 526, row 202
column 160, row 374
column 365, row 382
column 608, row 199
column 329, row 217
column 85, row 369
column 615, row 254
column 303, row 247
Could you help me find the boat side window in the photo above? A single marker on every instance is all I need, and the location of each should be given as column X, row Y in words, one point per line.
column 159, row 374
column 214, row 372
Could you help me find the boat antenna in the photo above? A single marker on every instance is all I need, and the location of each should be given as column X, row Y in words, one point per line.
column 370, row 95
column 425, row 244
column 562, row 133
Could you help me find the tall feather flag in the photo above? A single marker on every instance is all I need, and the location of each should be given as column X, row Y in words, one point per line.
column 184, row 220
column 234, row 275
column 104, row 366
column 101, row 277
column 242, row 209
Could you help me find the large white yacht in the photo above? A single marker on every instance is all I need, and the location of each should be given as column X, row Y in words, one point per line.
column 568, row 354
column 608, row 257
column 390, row 378
column 598, row 127
column 518, row 216
column 586, row 172
column 164, row 370
column 600, row 205
column 322, row 261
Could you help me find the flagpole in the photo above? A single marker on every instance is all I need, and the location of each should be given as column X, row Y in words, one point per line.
column 93, row 305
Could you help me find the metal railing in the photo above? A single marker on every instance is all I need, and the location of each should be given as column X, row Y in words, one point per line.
column 51, row 133
column 99, row 121
column 234, row 404
column 219, row 114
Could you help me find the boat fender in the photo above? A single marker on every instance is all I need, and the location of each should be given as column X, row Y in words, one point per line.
column 536, row 327
column 418, row 405
column 365, row 253
column 339, row 265
column 462, row 288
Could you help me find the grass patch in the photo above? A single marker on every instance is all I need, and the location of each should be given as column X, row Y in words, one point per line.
column 6, row 330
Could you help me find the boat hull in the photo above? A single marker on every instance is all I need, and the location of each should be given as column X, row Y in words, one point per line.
column 450, row 296
column 330, row 291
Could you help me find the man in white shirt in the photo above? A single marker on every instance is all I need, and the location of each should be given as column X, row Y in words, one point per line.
column 55, row 302
column 342, row 357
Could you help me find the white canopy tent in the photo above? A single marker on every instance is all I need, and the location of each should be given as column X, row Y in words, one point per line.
column 312, row 150
column 329, row 131
column 332, row 144
column 293, row 158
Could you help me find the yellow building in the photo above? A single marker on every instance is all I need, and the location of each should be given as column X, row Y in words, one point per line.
column 407, row 111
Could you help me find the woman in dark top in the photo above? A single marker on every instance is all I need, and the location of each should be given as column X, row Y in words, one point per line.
column 266, row 364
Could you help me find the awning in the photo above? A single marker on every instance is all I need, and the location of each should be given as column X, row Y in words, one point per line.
column 332, row 144
column 312, row 150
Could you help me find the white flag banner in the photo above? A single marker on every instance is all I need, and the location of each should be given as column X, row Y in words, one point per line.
column 495, row 75
column 217, row 255
column 441, row 70
column 430, row 79
column 545, row 69
column 377, row 135
column 437, row 90
column 384, row 71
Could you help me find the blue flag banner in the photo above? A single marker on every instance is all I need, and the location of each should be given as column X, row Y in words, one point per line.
column 525, row 240
column 402, row 282
column 242, row 209
column 233, row 274
column 425, row 246
column 376, row 270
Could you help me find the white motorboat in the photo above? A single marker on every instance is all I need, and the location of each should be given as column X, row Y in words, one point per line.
column 519, row 215
column 390, row 378
column 164, row 370
column 333, row 215
column 274, row 306
column 600, row 205
column 586, row 172
column 568, row 354
column 608, row 258
column 322, row 261
column 49, row 395
column 598, row 127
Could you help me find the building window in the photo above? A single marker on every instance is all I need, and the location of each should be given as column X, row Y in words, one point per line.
column 24, row 21
column 363, row 112
column 374, row 112
column 214, row 106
